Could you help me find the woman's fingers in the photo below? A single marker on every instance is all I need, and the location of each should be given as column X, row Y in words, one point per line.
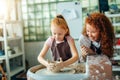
column 84, row 50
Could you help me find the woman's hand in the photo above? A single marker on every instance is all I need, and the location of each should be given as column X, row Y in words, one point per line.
column 85, row 51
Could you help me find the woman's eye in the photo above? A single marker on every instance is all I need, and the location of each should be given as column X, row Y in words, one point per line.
column 59, row 34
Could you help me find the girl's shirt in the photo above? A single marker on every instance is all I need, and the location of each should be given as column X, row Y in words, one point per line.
column 95, row 46
column 60, row 49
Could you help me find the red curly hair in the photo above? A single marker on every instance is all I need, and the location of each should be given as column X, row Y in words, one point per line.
column 101, row 22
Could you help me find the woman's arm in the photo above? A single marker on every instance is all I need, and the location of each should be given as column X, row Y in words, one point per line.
column 85, row 47
column 86, row 51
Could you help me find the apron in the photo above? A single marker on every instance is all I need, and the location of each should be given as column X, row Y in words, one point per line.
column 61, row 50
column 95, row 49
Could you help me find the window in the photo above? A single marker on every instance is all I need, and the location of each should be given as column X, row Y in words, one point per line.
column 37, row 15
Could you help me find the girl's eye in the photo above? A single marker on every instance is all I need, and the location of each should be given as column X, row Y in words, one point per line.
column 87, row 31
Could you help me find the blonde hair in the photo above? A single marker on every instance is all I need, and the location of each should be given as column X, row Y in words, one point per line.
column 59, row 21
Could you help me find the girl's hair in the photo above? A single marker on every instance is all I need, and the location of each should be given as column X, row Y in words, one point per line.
column 101, row 22
column 59, row 21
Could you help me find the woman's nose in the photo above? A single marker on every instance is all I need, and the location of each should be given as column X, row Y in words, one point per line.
column 89, row 34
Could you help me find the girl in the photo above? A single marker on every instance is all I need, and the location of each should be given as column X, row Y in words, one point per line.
column 97, row 36
column 62, row 46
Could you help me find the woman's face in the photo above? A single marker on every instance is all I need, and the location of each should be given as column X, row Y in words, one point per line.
column 93, row 33
column 58, row 33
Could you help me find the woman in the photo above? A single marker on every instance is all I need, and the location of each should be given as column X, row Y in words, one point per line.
column 97, row 36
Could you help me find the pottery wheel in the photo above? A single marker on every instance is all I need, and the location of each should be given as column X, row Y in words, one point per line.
column 44, row 71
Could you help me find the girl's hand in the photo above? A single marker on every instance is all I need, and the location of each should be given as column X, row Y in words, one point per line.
column 55, row 66
column 50, row 66
column 59, row 65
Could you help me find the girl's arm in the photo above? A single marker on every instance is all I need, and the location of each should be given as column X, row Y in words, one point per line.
column 74, row 52
column 42, row 54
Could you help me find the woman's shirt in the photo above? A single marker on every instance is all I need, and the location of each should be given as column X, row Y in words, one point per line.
column 60, row 49
column 83, row 40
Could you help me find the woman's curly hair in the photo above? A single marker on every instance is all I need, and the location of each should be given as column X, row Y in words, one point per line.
column 101, row 22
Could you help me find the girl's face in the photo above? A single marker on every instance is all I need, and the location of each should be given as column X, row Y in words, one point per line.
column 58, row 33
column 93, row 33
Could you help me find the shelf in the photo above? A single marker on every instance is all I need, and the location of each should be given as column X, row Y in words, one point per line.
column 16, row 55
column 113, row 15
column 117, row 57
column 117, row 35
column 16, row 43
column 2, row 57
column 115, row 68
column 14, row 38
column 18, row 69
column 10, row 38
column 117, row 47
column 1, row 39
column 116, row 24
column 12, row 56
column 9, row 21
column 13, row 21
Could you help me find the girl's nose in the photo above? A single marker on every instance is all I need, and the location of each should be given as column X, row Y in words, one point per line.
column 56, row 36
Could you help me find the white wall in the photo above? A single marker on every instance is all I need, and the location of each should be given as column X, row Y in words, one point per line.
column 32, row 50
